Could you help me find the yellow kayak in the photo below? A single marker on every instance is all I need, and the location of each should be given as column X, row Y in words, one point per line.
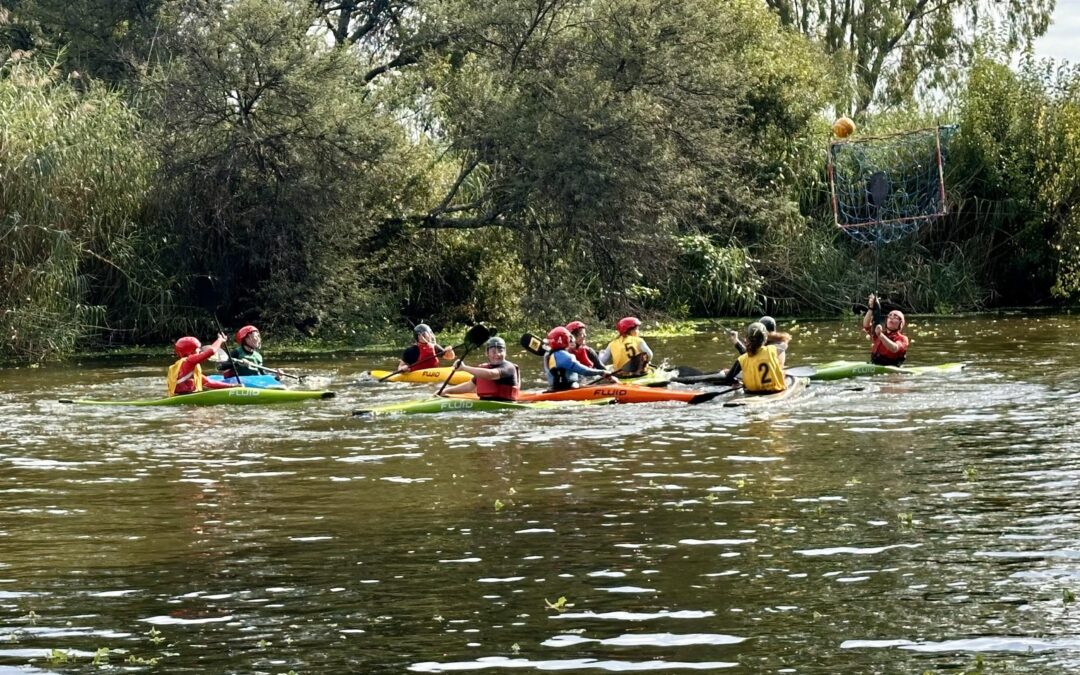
column 425, row 376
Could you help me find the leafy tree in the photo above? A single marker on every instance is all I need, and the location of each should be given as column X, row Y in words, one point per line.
column 274, row 165
column 1016, row 166
column 104, row 39
column 886, row 48
column 595, row 133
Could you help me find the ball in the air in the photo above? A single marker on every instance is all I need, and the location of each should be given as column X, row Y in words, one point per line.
column 843, row 127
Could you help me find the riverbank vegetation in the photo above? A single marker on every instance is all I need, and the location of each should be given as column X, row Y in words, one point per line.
column 339, row 170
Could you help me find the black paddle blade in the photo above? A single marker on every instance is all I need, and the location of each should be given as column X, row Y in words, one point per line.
column 532, row 344
column 702, row 398
column 478, row 335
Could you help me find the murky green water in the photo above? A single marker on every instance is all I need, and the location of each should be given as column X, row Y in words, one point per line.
column 913, row 524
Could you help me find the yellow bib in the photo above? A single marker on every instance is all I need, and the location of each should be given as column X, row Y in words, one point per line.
column 171, row 378
column 624, row 348
column 762, row 372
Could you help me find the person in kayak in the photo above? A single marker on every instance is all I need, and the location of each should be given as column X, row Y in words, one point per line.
column 762, row 366
column 627, row 354
column 244, row 359
column 562, row 367
column 888, row 344
column 426, row 352
column 185, row 375
column 582, row 351
column 495, row 380
column 779, row 340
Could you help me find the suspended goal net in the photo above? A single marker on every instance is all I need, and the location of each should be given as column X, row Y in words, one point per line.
column 885, row 187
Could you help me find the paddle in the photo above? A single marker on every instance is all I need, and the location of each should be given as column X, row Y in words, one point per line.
column 272, row 371
column 707, row 396
column 728, row 390
column 476, row 336
column 533, row 344
column 228, row 359
column 235, row 371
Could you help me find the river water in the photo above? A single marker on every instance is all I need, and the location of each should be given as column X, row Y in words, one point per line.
column 889, row 524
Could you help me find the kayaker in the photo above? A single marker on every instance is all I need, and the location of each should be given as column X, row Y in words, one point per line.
column 627, row 354
column 426, row 352
column 245, row 358
column 185, row 374
column 888, row 344
column 762, row 366
column 582, row 351
column 495, row 380
column 562, row 367
column 779, row 340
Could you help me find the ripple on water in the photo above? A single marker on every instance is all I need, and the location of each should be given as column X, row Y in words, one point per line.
column 566, row 664
column 851, row 550
column 982, row 644
column 647, row 640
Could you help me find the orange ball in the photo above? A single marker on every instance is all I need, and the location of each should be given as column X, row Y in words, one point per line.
column 843, row 127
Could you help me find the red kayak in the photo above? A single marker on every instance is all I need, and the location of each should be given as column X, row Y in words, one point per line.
column 622, row 393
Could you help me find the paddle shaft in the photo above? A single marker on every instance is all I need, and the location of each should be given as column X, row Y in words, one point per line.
column 457, row 367
column 272, row 371
column 476, row 335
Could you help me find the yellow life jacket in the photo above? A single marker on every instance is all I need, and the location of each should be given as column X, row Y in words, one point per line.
column 762, row 371
column 172, row 378
column 623, row 349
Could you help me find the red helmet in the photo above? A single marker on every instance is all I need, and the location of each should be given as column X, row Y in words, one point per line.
column 575, row 326
column 558, row 338
column 627, row 324
column 244, row 332
column 186, row 346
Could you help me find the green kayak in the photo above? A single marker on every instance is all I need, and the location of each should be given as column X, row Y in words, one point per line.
column 234, row 396
column 465, row 403
column 839, row 370
column 795, row 386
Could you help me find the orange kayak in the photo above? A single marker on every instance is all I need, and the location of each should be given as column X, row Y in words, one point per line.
column 622, row 393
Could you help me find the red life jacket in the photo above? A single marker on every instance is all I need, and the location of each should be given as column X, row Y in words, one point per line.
column 582, row 355
column 428, row 357
column 504, row 388
column 880, row 355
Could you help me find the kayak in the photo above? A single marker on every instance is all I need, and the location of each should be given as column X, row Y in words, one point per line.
column 234, row 396
column 795, row 385
column 425, row 376
column 622, row 393
column 838, row 370
column 469, row 402
column 254, row 381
